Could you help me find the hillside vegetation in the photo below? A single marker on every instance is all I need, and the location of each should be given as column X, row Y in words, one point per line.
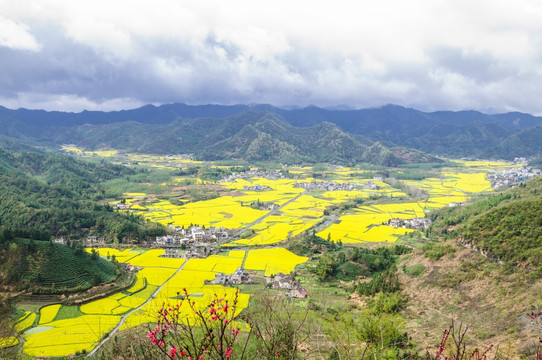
column 44, row 195
column 462, row 133
column 508, row 226
column 42, row 267
column 250, row 136
column 489, row 280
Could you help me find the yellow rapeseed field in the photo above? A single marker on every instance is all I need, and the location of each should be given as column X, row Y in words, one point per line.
column 69, row 336
column 366, row 224
column 215, row 263
column 151, row 258
column 8, row 342
column 138, row 285
column 120, row 255
column 101, row 306
column 26, row 321
column 273, row 261
column 48, row 313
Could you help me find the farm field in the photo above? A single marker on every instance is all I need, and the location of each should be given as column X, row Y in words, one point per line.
column 81, row 330
column 265, row 218
column 301, row 210
column 273, row 261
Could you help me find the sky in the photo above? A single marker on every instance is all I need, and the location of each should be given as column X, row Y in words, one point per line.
column 431, row 55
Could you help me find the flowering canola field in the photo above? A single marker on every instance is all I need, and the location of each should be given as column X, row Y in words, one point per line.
column 81, row 331
column 60, row 333
column 365, row 224
column 273, row 261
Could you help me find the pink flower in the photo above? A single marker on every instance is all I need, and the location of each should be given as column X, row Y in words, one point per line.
column 228, row 352
column 173, row 352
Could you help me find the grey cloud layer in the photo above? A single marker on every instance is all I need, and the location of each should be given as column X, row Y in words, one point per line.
column 164, row 70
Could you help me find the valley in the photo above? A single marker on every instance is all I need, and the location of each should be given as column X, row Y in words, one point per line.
column 276, row 218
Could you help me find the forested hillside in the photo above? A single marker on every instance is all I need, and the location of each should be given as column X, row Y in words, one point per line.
column 507, row 227
column 44, row 195
column 48, row 268
column 250, row 136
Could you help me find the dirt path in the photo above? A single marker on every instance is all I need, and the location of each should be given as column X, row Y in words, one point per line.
column 123, row 319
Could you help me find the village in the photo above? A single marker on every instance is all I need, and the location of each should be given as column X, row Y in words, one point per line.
column 277, row 281
column 335, row 186
column 264, row 174
column 415, row 223
column 511, row 177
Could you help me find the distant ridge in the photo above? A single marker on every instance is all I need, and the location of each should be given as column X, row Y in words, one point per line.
column 448, row 133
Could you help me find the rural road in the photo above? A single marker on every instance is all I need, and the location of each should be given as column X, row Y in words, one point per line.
column 123, row 319
column 259, row 220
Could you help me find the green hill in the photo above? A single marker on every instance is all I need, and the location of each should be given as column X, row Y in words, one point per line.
column 507, row 227
column 44, row 195
column 251, row 136
column 42, row 267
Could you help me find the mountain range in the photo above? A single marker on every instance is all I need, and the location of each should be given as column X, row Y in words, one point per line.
column 262, row 132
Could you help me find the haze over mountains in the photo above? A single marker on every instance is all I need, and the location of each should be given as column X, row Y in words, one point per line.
column 263, row 132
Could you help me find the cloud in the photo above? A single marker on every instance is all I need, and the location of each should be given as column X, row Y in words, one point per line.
column 430, row 55
column 15, row 35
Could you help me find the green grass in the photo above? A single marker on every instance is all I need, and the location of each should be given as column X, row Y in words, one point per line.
column 68, row 312
column 414, row 270
column 435, row 250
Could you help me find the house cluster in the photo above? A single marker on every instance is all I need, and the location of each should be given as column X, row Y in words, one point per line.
column 454, row 204
column 122, row 206
column 511, row 177
column 198, row 253
column 240, row 276
column 256, row 187
column 265, row 174
column 60, row 240
column 192, row 253
column 416, row 223
column 327, row 186
column 285, row 282
column 369, row 185
column 262, row 205
column 193, row 235
column 94, row 240
column 180, row 156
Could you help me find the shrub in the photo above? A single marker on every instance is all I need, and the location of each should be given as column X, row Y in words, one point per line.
column 435, row 250
column 414, row 270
